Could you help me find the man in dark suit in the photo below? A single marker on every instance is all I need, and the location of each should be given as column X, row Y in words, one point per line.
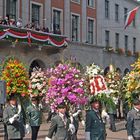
column 34, row 117
column 13, row 118
column 133, row 121
column 61, row 126
column 94, row 126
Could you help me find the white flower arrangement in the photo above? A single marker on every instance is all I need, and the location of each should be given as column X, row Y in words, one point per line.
column 38, row 83
column 93, row 70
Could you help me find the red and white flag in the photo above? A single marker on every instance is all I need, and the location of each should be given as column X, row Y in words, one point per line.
column 131, row 16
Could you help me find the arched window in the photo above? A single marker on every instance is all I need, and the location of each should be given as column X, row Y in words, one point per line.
column 106, row 70
column 126, row 71
column 36, row 64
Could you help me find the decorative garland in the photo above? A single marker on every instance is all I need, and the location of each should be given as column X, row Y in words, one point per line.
column 47, row 39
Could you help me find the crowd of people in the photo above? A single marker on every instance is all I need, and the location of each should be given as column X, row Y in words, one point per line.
column 64, row 123
column 33, row 26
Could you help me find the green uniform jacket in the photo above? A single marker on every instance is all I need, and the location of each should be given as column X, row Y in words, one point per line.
column 34, row 115
column 16, row 129
column 133, row 123
column 95, row 126
column 59, row 129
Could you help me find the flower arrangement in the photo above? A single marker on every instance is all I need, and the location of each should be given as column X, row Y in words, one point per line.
column 95, row 78
column 97, row 85
column 93, row 70
column 16, row 77
column 133, row 84
column 66, row 84
column 109, row 49
column 130, row 85
column 113, row 80
column 120, row 50
column 128, row 53
column 37, row 83
column 136, row 54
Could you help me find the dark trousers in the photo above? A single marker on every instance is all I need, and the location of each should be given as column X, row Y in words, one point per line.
column 5, row 132
column 138, row 138
column 112, row 122
column 35, row 130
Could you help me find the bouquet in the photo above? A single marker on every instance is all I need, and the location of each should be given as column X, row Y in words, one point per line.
column 16, row 77
column 113, row 80
column 37, row 83
column 93, row 70
column 95, row 79
column 66, row 84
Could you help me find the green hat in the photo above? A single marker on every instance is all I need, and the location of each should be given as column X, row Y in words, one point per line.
column 61, row 105
column 12, row 96
column 94, row 99
column 34, row 99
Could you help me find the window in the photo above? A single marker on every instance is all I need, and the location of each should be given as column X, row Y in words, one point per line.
column 78, row 1
column 36, row 14
column 11, row 8
column 126, row 43
column 116, row 12
column 75, row 23
column 106, row 9
column 107, row 43
column 90, row 31
column 117, row 40
column 56, row 20
column 134, row 45
column 125, row 14
column 91, row 3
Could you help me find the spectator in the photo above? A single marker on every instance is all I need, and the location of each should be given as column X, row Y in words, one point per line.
column 6, row 21
column 19, row 23
column 12, row 22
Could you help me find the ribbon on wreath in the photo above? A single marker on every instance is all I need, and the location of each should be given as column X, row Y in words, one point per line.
column 97, row 84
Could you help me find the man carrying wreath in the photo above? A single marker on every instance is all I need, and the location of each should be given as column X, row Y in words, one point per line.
column 61, row 127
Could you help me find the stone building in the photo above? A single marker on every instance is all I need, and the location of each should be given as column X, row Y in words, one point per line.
column 78, row 20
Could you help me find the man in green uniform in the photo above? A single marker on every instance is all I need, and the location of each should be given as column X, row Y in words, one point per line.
column 13, row 119
column 34, row 117
column 94, row 126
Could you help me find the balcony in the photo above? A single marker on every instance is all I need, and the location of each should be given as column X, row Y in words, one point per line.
column 32, row 38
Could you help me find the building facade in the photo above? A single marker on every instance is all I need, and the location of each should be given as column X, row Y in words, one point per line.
column 75, row 18
column 111, row 18
column 82, row 22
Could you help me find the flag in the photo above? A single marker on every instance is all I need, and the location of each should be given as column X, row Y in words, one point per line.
column 131, row 16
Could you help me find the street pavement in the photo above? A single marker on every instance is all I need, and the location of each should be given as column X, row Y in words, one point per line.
column 119, row 135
